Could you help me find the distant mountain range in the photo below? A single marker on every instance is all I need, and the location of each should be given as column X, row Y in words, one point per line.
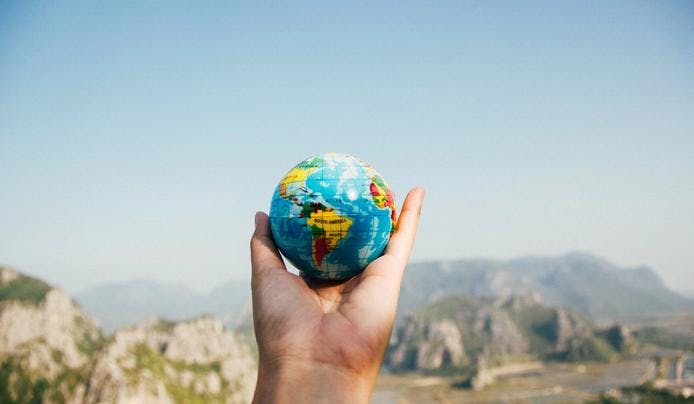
column 473, row 317
column 116, row 305
column 588, row 284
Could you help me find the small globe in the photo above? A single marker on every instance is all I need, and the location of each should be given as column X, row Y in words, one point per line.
column 332, row 215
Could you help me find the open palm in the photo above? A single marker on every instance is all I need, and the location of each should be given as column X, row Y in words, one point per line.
column 344, row 325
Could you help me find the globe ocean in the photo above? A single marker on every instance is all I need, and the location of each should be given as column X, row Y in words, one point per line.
column 331, row 215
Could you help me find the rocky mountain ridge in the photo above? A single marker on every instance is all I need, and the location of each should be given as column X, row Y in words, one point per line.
column 583, row 282
column 590, row 285
column 463, row 333
column 51, row 351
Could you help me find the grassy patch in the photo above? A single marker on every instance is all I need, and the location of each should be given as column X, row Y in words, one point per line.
column 25, row 289
column 665, row 338
column 164, row 325
column 536, row 324
column 17, row 386
column 589, row 349
column 156, row 363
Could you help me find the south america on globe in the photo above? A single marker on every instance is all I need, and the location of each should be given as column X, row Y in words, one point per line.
column 331, row 215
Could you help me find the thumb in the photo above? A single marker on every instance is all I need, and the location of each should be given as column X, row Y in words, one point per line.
column 264, row 254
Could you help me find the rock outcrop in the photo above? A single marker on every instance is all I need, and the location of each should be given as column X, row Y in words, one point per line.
column 466, row 333
column 46, row 341
column 428, row 345
column 620, row 338
column 158, row 361
column 51, row 351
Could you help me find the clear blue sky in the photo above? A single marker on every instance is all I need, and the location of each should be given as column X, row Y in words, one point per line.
column 137, row 140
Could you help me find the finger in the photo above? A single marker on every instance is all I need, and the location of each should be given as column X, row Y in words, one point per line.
column 402, row 241
column 264, row 254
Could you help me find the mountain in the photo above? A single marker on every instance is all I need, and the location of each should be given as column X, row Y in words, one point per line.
column 119, row 304
column 473, row 336
column 157, row 361
column 46, row 341
column 52, row 351
column 590, row 285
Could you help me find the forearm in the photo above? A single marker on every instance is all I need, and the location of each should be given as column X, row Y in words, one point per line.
column 311, row 383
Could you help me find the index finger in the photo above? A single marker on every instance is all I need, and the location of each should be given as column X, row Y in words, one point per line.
column 402, row 241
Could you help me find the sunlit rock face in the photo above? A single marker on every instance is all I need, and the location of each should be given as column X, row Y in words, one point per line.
column 163, row 362
column 51, row 351
column 46, row 341
column 469, row 333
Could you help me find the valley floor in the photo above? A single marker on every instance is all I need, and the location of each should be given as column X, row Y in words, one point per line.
column 554, row 383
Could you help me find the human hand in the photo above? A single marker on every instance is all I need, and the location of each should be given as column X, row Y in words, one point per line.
column 324, row 341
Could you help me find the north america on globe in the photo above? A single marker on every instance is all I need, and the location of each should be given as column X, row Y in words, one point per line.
column 331, row 215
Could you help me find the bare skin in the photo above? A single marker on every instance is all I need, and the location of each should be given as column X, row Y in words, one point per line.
column 323, row 341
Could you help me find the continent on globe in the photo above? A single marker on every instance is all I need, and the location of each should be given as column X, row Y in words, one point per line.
column 327, row 229
column 331, row 215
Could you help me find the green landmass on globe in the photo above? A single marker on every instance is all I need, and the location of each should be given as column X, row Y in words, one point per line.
column 331, row 215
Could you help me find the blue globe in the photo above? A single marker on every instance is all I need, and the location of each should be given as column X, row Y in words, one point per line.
column 332, row 215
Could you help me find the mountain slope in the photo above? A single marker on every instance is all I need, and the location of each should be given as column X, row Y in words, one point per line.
column 46, row 341
column 591, row 285
column 186, row 362
column 464, row 332
column 51, row 351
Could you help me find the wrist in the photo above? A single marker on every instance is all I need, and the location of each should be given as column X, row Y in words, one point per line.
column 301, row 381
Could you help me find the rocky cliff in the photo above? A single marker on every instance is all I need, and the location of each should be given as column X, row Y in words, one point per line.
column 161, row 362
column 464, row 332
column 46, row 341
column 51, row 351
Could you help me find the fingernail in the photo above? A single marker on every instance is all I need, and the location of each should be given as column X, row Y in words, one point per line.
column 257, row 219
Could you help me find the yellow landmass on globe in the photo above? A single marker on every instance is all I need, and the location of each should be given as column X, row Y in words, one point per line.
column 296, row 175
column 327, row 229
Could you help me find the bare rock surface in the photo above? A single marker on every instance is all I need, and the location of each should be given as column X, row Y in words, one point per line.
column 51, row 351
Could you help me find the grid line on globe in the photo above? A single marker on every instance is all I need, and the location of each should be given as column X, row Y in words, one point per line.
column 331, row 215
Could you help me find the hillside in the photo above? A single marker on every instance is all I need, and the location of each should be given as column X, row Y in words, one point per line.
column 51, row 351
column 464, row 332
column 590, row 285
column 46, row 341
column 192, row 361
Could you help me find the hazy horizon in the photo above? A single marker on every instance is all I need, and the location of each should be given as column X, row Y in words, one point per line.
column 138, row 141
column 246, row 276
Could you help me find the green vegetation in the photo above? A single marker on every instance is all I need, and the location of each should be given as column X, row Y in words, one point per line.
column 25, row 289
column 66, row 381
column 665, row 338
column 17, row 386
column 56, row 355
column 164, row 325
column 157, row 363
column 518, row 330
column 589, row 349
column 535, row 323
column 89, row 345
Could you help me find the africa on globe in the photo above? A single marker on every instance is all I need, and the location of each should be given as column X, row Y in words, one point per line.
column 332, row 215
